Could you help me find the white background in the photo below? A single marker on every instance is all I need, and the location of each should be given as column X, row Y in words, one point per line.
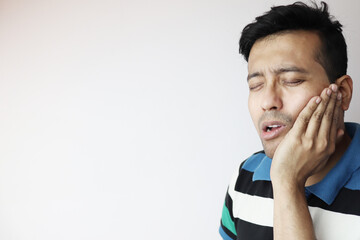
column 126, row 119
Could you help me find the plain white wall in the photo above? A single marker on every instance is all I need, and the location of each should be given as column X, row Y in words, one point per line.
column 126, row 119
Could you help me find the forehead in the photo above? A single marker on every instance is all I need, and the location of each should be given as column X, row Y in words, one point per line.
column 295, row 48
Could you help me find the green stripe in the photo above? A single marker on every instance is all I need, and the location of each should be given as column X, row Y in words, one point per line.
column 227, row 221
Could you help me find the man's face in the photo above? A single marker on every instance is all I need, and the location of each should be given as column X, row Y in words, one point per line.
column 283, row 76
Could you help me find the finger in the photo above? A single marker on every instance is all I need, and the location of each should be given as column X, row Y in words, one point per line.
column 327, row 120
column 303, row 119
column 337, row 111
column 316, row 117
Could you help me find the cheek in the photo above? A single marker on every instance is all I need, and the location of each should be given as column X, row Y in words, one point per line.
column 298, row 103
column 254, row 110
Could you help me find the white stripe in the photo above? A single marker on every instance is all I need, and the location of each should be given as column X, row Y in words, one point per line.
column 333, row 225
column 253, row 209
column 328, row 225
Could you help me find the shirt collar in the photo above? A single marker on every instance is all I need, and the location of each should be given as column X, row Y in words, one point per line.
column 262, row 171
column 328, row 188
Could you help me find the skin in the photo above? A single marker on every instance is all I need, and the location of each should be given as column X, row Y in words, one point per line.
column 289, row 88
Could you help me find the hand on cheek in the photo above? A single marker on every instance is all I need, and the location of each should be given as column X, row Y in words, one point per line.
column 308, row 145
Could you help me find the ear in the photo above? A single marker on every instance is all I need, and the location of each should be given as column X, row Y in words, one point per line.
column 345, row 85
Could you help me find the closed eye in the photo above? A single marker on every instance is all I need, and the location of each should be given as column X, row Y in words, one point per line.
column 254, row 87
column 294, row 82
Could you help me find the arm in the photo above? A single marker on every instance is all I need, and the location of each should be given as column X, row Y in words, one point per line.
column 304, row 151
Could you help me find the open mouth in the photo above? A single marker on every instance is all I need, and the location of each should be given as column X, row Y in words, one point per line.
column 271, row 127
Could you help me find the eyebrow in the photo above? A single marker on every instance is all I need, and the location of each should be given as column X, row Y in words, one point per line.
column 279, row 71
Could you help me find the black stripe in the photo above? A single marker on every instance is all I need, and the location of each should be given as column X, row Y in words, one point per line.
column 250, row 231
column 229, row 204
column 227, row 231
column 347, row 201
column 244, row 184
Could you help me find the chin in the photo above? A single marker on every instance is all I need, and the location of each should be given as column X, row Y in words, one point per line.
column 270, row 149
column 269, row 153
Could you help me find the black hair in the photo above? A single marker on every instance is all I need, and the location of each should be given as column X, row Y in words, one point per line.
column 298, row 16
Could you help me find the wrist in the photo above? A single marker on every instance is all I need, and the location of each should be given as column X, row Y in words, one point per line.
column 287, row 177
column 288, row 185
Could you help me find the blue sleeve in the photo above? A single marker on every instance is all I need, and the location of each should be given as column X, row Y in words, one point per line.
column 224, row 235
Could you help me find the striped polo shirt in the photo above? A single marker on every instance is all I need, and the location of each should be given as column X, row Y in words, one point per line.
column 334, row 202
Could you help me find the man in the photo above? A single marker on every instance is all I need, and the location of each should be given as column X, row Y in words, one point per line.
column 306, row 182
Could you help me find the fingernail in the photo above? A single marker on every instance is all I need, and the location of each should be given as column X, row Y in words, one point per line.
column 339, row 96
column 328, row 92
column 318, row 100
column 334, row 87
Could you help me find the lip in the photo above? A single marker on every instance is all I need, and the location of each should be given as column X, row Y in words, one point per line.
column 275, row 132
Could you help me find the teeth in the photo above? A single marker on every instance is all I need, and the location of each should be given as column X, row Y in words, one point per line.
column 268, row 128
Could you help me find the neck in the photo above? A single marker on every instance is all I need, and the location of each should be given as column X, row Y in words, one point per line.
column 340, row 149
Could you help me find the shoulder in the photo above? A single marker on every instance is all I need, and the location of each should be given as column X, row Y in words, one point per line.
column 253, row 161
column 248, row 167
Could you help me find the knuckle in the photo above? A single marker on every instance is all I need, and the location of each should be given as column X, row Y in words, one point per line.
column 308, row 144
column 304, row 118
column 317, row 116
column 323, row 144
column 335, row 120
column 328, row 115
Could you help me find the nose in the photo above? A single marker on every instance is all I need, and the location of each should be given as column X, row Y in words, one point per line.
column 271, row 98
